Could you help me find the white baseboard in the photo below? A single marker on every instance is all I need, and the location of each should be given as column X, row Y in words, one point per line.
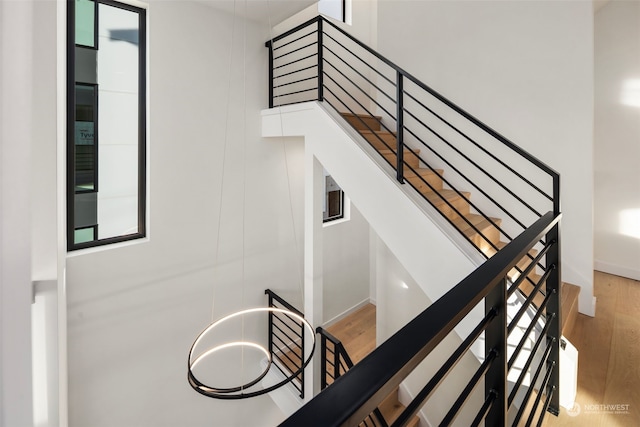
column 618, row 270
column 347, row 312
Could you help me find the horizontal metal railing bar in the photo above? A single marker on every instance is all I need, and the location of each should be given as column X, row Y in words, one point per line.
column 293, row 30
column 297, row 334
column 543, row 386
column 482, row 413
column 525, row 336
column 487, row 174
column 295, row 50
column 295, row 93
column 545, row 406
column 286, row 336
column 531, row 266
column 295, row 40
column 295, row 81
column 528, row 302
column 361, row 106
column 455, row 408
column 493, row 156
column 291, row 351
column 361, row 75
column 296, row 71
column 360, row 59
column 295, row 384
column 360, row 89
column 284, row 363
column 414, row 406
column 525, row 368
column 357, row 393
column 294, row 62
column 292, row 319
column 457, row 109
column 295, row 102
column 282, row 302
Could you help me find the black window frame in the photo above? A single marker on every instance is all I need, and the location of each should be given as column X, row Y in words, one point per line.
column 142, row 125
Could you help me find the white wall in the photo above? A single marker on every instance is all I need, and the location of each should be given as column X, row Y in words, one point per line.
column 346, row 265
column 617, row 139
column 525, row 69
column 400, row 300
column 134, row 310
column 16, row 137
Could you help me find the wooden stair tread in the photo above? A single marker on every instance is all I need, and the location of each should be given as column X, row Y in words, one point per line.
column 393, row 151
column 443, row 195
column 480, row 222
column 408, row 173
column 361, row 116
column 363, row 121
column 569, row 302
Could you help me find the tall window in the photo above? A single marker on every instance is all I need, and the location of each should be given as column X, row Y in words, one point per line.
column 106, row 141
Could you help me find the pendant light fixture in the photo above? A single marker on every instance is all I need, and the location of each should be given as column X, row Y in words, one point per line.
column 202, row 349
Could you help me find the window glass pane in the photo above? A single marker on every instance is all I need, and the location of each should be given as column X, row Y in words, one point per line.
column 118, row 133
column 85, row 23
column 85, row 158
column 84, row 235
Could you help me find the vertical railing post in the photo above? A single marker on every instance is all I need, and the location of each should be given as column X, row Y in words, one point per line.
column 270, row 323
column 553, row 307
column 320, row 62
column 495, row 381
column 556, row 194
column 336, row 362
column 270, row 46
column 323, row 360
column 302, row 357
column 400, row 127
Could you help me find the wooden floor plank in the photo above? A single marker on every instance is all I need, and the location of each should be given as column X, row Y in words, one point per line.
column 608, row 359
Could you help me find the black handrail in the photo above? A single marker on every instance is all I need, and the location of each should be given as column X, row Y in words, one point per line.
column 358, row 392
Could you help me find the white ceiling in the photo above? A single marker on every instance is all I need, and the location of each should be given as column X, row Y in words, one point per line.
column 274, row 11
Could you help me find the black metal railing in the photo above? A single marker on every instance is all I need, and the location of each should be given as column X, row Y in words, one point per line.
column 318, row 60
column 359, row 391
column 286, row 341
column 334, row 362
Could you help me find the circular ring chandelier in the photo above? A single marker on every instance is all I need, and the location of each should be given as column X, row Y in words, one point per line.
column 242, row 391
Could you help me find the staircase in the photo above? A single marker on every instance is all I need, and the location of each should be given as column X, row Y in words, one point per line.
column 357, row 333
column 438, row 149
